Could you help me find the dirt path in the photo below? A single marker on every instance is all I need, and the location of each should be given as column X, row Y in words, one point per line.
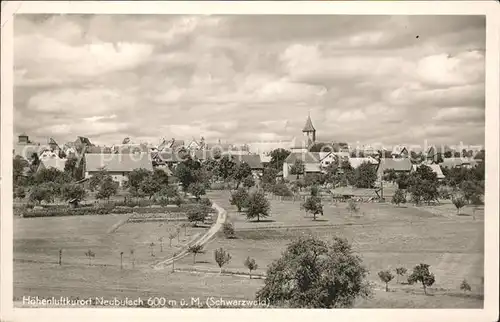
column 221, row 219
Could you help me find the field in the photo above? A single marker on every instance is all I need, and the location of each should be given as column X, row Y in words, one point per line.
column 384, row 236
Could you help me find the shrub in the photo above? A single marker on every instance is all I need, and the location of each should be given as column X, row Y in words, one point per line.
column 465, row 286
column 459, row 202
column 228, row 230
column 281, row 189
column 398, row 197
column 206, row 202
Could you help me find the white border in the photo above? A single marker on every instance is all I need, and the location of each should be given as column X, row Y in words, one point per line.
column 489, row 8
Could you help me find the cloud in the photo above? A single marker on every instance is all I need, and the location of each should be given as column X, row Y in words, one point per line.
column 250, row 78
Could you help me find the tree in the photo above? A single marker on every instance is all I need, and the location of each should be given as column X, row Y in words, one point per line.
column 471, row 190
column 18, row 169
column 19, row 192
column 150, row 186
column 228, row 230
column 465, row 286
column 314, row 206
column 239, row 198
column 422, row 274
column 97, row 178
column 221, row 257
column 197, row 214
column 169, row 191
column 70, row 167
column 251, row 265
column 398, row 197
column 249, row 182
column 297, row 168
column 352, row 206
column 386, row 276
column 161, row 177
column 73, row 191
column 226, row 167
column 278, row 157
column 400, row 271
column 197, row 190
column 423, row 185
column 257, row 205
column 136, row 177
column 269, row 176
column 160, row 239
column 42, row 192
column 90, row 254
column 390, row 175
column 171, row 235
column 152, row 249
column 107, row 188
column 314, row 274
column 281, row 189
column 242, row 171
column 459, row 202
column 195, row 250
column 52, row 175
column 365, row 175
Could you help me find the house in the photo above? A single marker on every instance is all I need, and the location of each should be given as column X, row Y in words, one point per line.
column 434, row 167
column 253, row 160
column 130, row 148
column 356, row 162
column 458, row 163
column 311, row 161
column 399, row 165
column 48, row 163
column 399, row 151
column 99, row 150
column 327, row 158
column 265, row 159
column 117, row 165
column 26, row 148
column 172, row 144
column 169, row 158
column 82, row 141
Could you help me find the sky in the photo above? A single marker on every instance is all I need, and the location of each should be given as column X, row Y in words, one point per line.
column 367, row 79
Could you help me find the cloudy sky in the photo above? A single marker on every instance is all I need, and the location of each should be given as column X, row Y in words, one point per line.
column 382, row 79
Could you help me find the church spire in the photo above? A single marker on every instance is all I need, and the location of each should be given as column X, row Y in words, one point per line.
column 309, row 129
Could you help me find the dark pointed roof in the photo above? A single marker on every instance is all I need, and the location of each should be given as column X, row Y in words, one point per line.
column 309, row 125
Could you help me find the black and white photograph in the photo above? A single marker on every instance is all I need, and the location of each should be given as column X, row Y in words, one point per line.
column 249, row 161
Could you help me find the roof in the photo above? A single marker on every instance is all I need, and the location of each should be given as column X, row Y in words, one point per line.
column 83, row 140
column 300, row 142
column 356, row 162
column 253, row 160
column 177, row 144
column 171, row 156
column 308, row 127
column 434, row 167
column 396, row 164
column 52, row 141
column 98, row 150
column 306, row 157
column 398, row 149
column 118, row 162
column 55, row 163
column 218, row 146
column 312, row 167
column 264, row 158
column 130, row 148
column 456, row 162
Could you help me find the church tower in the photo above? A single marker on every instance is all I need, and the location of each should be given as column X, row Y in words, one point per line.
column 309, row 130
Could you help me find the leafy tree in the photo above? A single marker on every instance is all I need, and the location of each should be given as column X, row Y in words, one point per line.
column 365, row 175
column 178, row 201
column 459, row 202
column 51, row 175
column 278, row 157
column 107, row 188
column 281, row 189
column 186, row 172
column 269, row 176
column 398, row 197
column 311, row 179
column 197, row 190
column 171, row 235
column 249, row 182
column 314, row 274
column 257, row 205
column 18, row 166
column 19, row 192
column 332, row 170
column 390, row 175
column 314, row 191
column 42, row 192
column 423, row 185
column 386, row 276
column 222, row 257
column 203, row 176
column 465, row 286
column 161, row 177
column 195, row 250
column 298, row 168
column 73, row 191
column 352, row 206
column 241, row 171
column 251, row 265
column 70, row 167
column 400, row 271
column 422, row 274
column 239, row 198
column 471, row 190
column 197, row 214
column 228, row 230
column 136, row 177
column 90, row 254
column 169, row 192
column 226, row 167
column 314, row 206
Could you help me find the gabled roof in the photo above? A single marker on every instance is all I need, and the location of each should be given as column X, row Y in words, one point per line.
column 306, row 157
column 312, row 167
column 130, row 148
column 398, row 150
column 177, row 144
column 356, row 162
column 396, row 164
column 253, row 160
column 172, row 157
column 456, row 162
column 118, row 162
column 308, row 127
column 83, row 140
column 218, row 146
column 56, row 163
column 98, row 150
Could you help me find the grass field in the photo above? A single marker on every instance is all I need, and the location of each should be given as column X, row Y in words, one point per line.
column 384, row 236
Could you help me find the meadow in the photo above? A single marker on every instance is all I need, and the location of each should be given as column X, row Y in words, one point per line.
column 385, row 236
